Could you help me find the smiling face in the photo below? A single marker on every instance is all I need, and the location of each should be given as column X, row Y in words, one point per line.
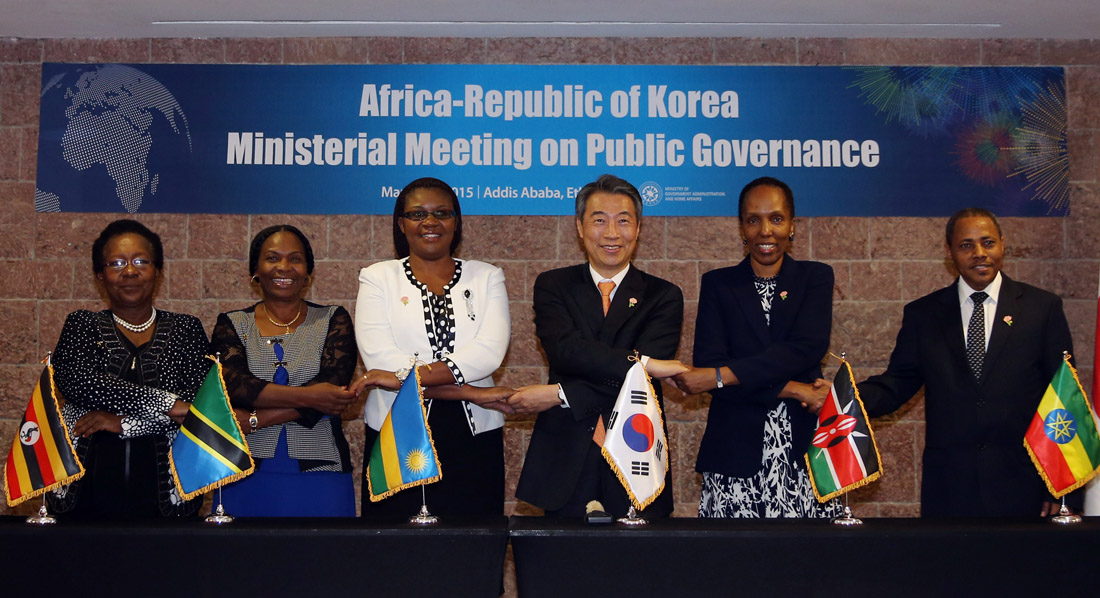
column 609, row 231
column 429, row 239
column 281, row 268
column 766, row 226
column 977, row 250
column 130, row 287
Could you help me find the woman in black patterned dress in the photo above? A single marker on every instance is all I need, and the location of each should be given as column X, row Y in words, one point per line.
column 762, row 330
column 127, row 375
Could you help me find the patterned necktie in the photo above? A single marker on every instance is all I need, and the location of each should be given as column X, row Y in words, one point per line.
column 605, row 292
column 975, row 335
column 281, row 376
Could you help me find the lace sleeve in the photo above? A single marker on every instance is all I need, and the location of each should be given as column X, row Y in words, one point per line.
column 242, row 386
column 339, row 355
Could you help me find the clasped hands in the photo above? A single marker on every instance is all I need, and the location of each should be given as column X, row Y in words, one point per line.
column 699, row 379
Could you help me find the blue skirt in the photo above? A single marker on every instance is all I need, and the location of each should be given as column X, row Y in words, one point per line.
column 278, row 489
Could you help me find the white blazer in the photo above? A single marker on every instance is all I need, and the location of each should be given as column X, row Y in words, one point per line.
column 389, row 330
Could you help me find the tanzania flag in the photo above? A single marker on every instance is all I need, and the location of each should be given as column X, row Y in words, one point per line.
column 42, row 456
column 843, row 455
column 403, row 455
column 634, row 443
column 1062, row 439
column 210, row 450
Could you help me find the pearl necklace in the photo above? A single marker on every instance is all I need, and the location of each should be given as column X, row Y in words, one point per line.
column 267, row 314
column 136, row 327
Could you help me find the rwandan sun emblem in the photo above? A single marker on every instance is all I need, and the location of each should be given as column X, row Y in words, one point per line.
column 416, row 461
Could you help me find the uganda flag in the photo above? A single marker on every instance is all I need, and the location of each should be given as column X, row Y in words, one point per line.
column 403, row 455
column 1062, row 439
column 210, row 450
column 42, row 456
column 843, row 455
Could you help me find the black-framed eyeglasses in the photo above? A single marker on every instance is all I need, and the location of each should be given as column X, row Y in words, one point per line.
column 421, row 215
column 120, row 264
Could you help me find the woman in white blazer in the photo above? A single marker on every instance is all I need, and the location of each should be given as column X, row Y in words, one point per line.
column 448, row 318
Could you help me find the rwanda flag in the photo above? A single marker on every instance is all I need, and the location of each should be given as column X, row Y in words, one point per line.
column 210, row 450
column 42, row 456
column 843, row 455
column 403, row 455
column 1062, row 439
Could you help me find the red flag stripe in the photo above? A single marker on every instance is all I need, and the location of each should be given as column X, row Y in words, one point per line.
column 1048, row 453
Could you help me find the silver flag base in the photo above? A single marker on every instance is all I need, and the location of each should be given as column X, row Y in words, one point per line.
column 424, row 517
column 219, row 516
column 846, row 520
column 632, row 519
column 1065, row 517
column 42, row 518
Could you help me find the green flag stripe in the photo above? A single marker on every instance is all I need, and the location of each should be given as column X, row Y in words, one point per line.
column 378, row 483
column 1069, row 393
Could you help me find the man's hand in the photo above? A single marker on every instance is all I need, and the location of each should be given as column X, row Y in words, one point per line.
column 696, row 380
column 664, row 368
column 535, row 398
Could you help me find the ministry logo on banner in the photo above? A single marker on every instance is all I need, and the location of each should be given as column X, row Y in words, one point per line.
column 635, row 445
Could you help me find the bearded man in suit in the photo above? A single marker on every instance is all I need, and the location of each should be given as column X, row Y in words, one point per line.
column 591, row 319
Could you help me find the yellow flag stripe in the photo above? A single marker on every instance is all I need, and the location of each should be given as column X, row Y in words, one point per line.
column 210, row 451
column 46, row 433
column 218, row 429
column 389, row 454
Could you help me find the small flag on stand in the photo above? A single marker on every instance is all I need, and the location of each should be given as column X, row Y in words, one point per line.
column 1092, row 493
column 42, row 456
column 404, row 454
column 634, row 443
column 843, row 455
column 1062, row 438
column 210, row 450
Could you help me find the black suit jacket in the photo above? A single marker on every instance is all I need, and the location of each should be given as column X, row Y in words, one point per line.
column 975, row 463
column 730, row 330
column 587, row 353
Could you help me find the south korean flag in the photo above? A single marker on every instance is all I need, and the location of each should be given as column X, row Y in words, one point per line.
column 635, row 445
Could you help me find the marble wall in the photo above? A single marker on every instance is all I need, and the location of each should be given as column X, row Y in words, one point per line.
column 880, row 263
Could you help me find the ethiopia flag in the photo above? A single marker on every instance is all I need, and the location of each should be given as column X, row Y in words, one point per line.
column 634, row 443
column 843, row 455
column 210, row 450
column 1062, row 439
column 42, row 456
column 403, row 455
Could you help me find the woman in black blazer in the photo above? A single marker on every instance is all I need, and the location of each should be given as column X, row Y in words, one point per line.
column 760, row 335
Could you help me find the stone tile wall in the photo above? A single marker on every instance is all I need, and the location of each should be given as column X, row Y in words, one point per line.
column 880, row 263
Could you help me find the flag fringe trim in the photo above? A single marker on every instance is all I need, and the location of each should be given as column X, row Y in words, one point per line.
column 54, row 393
column 1035, row 458
column 619, row 474
column 244, row 440
column 431, row 440
column 874, row 445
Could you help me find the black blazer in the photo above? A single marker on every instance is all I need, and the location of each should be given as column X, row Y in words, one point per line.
column 730, row 330
column 975, row 463
column 587, row 353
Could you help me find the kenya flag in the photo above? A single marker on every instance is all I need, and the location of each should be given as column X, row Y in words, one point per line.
column 842, row 455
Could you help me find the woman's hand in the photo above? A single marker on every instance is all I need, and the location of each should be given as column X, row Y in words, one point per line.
column 696, row 380
column 491, row 397
column 383, row 379
column 812, row 396
column 327, row 398
column 664, row 368
column 97, row 421
column 535, row 398
column 179, row 411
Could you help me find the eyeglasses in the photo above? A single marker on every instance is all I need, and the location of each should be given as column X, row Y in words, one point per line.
column 120, row 264
column 421, row 215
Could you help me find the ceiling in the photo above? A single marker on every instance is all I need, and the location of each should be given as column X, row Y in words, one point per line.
column 1066, row 19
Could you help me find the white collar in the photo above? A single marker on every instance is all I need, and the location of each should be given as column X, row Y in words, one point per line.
column 993, row 289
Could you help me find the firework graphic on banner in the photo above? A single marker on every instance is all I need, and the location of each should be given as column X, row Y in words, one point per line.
column 919, row 98
column 985, row 150
column 1042, row 149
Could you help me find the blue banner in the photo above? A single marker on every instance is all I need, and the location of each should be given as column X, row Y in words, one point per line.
column 521, row 139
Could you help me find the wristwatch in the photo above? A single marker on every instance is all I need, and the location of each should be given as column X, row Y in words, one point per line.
column 718, row 376
column 253, row 421
column 401, row 374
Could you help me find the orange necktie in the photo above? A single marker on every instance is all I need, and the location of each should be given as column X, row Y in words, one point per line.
column 605, row 292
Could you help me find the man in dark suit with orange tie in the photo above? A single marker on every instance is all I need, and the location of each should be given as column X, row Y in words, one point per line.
column 591, row 319
column 985, row 349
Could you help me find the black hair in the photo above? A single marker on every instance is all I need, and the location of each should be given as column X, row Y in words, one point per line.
column 788, row 195
column 123, row 227
column 258, row 242
column 608, row 183
column 400, row 242
column 949, row 231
